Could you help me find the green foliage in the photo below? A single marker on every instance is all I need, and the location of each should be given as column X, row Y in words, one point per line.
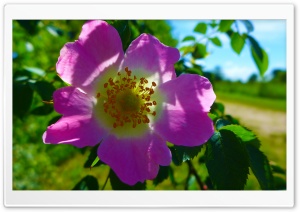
column 87, row 183
column 22, row 98
column 200, row 51
column 237, row 42
column 227, row 161
column 261, row 63
column 260, row 166
column 189, row 38
column 201, row 28
column 116, row 184
column 181, row 154
column 162, row 175
column 216, row 41
column 225, row 25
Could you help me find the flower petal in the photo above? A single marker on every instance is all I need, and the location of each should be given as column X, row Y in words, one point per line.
column 186, row 128
column 99, row 47
column 71, row 101
column 184, row 120
column 189, row 91
column 77, row 127
column 148, row 54
column 135, row 160
column 79, row 131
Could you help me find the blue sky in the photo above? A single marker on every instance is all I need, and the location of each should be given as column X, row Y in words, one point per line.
column 271, row 35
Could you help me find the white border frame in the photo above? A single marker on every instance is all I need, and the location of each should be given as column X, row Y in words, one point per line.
column 13, row 198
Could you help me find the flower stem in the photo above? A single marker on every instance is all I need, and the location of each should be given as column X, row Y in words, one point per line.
column 192, row 170
column 105, row 182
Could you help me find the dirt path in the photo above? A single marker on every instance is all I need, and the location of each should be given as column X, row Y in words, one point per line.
column 268, row 125
column 263, row 121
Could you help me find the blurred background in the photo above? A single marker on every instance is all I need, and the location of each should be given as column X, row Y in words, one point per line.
column 245, row 61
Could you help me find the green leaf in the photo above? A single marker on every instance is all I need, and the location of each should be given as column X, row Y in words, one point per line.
column 35, row 70
column 189, row 38
column 93, row 159
column 181, row 154
column 201, row 28
column 54, row 120
column 248, row 25
column 216, row 41
column 277, row 169
column 117, row 184
column 54, row 31
column 186, row 49
column 221, row 123
column 227, row 161
column 122, row 26
column 200, row 51
column 225, row 25
column 162, row 175
column 279, row 183
column 218, row 109
column 254, row 44
column 260, row 166
column 31, row 26
column 212, row 116
column 22, row 98
column 193, row 71
column 42, row 110
column 213, row 24
column 263, row 64
column 237, row 42
column 44, row 89
column 242, row 133
column 87, row 183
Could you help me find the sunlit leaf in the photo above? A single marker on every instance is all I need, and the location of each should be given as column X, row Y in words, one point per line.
column 93, row 160
column 200, row 51
column 35, row 70
column 189, row 38
column 263, row 64
column 239, row 131
column 237, row 42
column 186, row 50
column 216, row 41
column 201, row 28
column 225, row 25
column 256, row 47
column 87, row 183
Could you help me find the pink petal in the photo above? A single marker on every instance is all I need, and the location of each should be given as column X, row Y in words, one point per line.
column 185, row 128
column 147, row 53
column 99, row 47
column 79, row 131
column 136, row 159
column 189, row 91
column 77, row 126
column 71, row 101
column 184, row 120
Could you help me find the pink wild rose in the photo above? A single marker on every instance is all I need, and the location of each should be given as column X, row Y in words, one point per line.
column 130, row 103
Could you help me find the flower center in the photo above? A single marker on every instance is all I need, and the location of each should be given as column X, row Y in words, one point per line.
column 129, row 99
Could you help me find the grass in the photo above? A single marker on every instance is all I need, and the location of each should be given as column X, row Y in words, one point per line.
column 266, row 103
